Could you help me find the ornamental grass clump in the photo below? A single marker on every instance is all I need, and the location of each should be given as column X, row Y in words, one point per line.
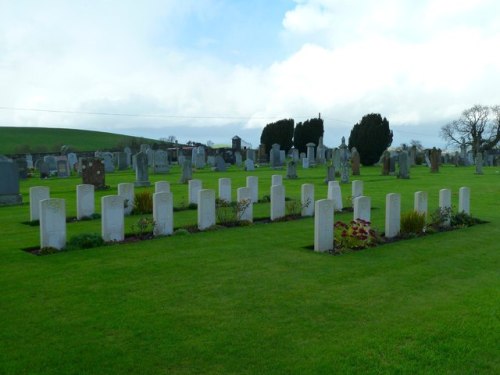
column 356, row 235
column 412, row 223
column 143, row 202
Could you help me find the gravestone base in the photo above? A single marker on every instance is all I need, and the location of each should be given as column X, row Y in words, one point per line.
column 10, row 199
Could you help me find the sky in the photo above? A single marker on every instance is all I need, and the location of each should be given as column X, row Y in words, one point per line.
column 206, row 70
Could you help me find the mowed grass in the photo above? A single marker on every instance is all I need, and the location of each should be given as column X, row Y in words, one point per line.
column 51, row 139
column 256, row 300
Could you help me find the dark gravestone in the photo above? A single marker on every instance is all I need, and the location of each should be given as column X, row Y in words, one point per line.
column 44, row 169
column 355, row 161
column 435, row 160
column 62, row 167
column 9, row 183
column 22, row 166
column 291, row 170
column 141, row 169
column 220, row 164
column 93, row 172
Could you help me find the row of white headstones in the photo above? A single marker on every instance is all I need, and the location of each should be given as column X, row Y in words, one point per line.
column 51, row 212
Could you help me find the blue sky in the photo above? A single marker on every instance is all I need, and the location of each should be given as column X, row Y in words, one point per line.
column 209, row 69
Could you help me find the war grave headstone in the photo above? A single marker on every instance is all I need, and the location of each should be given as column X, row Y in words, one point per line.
column 277, row 202
column 112, row 218
column 9, row 183
column 194, row 186
column 163, row 213
column 307, row 199
column 392, row 215
column 243, row 196
column 225, row 189
column 445, row 202
column 464, row 200
column 362, row 207
column 37, row 194
column 162, row 186
column 85, row 205
column 323, row 225
column 420, row 202
column 53, row 223
column 276, row 179
column 93, row 172
column 335, row 194
column 253, row 185
column 206, row 208
column 126, row 191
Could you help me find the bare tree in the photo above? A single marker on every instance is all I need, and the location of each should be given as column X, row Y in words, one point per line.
column 475, row 128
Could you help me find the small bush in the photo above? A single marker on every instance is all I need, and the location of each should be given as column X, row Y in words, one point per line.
column 412, row 223
column 229, row 213
column 440, row 217
column 293, row 208
column 85, row 241
column 143, row 227
column 143, row 203
column 462, row 219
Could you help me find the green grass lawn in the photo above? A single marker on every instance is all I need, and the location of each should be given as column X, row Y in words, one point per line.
column 256, row 300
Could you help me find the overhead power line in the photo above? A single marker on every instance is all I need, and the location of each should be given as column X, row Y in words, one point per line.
column 138, row 115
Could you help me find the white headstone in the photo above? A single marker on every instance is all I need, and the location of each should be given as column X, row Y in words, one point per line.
column 112, row 218
column 126, row 191
column 445, row 201
column 244, row 195
column 85, row 205
column 249, row 165
column 206, row 208
column 464, row 200
column 335, row 194
column 362, row 206
column 194, row 187
column 357, row 188
column 37, row 193
column 52, row 223
column 307, row 199
column 163, row 213
column 323, row 225
column 420, row 202
column 392, row 215
column 276, row 179
column 162, row 187
column 277, row 201
column 253, row 185
column 225, row 189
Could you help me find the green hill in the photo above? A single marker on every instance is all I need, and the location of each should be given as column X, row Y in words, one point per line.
column 14, row 140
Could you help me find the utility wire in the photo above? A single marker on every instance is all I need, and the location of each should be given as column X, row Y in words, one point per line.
column 154, row 115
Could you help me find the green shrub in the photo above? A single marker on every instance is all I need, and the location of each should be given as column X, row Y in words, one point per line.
column 229, row 213
column 143, row 202
column 293, row 208
column 462, row 219
column 440, row 217
column 85, row 241
column 143, row 227
column 412, row 223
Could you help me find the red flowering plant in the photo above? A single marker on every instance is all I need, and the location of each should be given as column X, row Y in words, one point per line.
column 356, row 235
